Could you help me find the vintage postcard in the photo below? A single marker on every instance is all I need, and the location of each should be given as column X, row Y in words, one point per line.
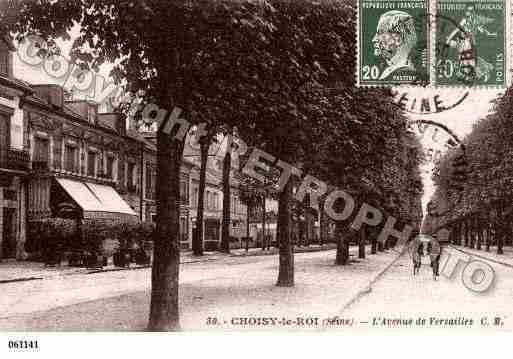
column 217, row 166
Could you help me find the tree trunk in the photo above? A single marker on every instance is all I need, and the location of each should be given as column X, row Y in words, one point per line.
column 225, row 228
column 323, row 225
column 472, row 232
column 342, row 245
column 263, row 223
column 248, row 213
column 164, row 313
column 374, row 242
column 286, row 269
column 479, row 233
column 488, row 234
column 361, row 242
column 466, row 233
column 500, row 229
column 461, row 233
column 197, row 243
column 308, row 223
column 380, row 246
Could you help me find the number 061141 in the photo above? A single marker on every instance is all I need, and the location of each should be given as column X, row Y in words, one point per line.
column 23, row 344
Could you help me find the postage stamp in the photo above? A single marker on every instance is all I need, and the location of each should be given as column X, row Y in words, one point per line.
column 471, row 43
column 393, row 42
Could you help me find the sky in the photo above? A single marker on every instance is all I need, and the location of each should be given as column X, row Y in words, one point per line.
column 459, row 119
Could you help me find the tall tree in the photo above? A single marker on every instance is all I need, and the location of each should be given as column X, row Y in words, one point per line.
column 227, row 196
column 205, row 143
column 169, row 49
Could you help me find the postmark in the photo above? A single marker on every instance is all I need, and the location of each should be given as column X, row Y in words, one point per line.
column 393, row 45
column 428, row 100
column 471, row 48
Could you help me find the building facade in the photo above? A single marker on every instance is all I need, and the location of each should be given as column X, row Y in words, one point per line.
column 14, row 157
column 61, row 157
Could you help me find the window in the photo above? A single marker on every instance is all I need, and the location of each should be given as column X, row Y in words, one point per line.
column 109, row 170
column 209, row 200
column 130, row 176
column 183, row 229
column 41, row 150
column 151, row 178
column 4, row 59
column 91, row 163
column 194, row 197
column 91, row 115
column 184, row 195
column 70, row 158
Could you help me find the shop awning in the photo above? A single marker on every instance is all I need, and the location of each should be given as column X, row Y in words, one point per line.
column 93, row 197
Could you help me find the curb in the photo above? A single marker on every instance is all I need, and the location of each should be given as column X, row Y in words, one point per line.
column 482, row 257
column 26, row 279
column 296, row 251
column 368, row 288
column 94, row 271
column 186, row 261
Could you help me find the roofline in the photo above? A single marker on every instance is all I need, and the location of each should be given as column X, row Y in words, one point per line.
column 17, row 85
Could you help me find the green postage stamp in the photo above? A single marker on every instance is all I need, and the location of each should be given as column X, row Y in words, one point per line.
column 393, row 42
column 471, row 47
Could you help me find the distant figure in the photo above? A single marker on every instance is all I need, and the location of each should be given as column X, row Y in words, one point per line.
column 435, row 252
column 417, row 254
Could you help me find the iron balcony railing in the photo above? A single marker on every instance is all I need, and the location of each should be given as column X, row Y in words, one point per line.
column 14, row 159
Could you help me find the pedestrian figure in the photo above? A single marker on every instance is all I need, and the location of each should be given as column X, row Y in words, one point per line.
column 417, row 255
column 434, row 254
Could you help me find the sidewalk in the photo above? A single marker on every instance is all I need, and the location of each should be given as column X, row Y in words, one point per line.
column 231, row 293
column 504, row 259
column 17, row 271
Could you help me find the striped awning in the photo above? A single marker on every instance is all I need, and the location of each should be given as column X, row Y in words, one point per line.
column 92, row 197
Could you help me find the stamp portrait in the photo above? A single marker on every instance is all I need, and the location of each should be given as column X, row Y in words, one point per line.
column 471, row 43
column 393, row 42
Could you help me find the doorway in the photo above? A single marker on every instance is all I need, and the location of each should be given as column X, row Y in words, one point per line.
column 8, row 234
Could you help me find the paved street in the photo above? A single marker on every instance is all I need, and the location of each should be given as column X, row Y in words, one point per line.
column 400, row 295
column 227, row 288
column 232, row 288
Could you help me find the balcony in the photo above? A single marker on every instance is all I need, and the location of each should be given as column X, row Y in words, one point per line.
column 14, row 159
column 40, row 165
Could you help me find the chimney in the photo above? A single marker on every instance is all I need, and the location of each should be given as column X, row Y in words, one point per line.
column 114, row 121
column 87, row 109
column 121, row 124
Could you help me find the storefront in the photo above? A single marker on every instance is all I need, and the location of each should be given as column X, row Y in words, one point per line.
column 14, row 167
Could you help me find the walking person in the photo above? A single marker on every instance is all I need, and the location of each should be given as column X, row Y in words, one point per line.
column 417, row 254
column 434, row 254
